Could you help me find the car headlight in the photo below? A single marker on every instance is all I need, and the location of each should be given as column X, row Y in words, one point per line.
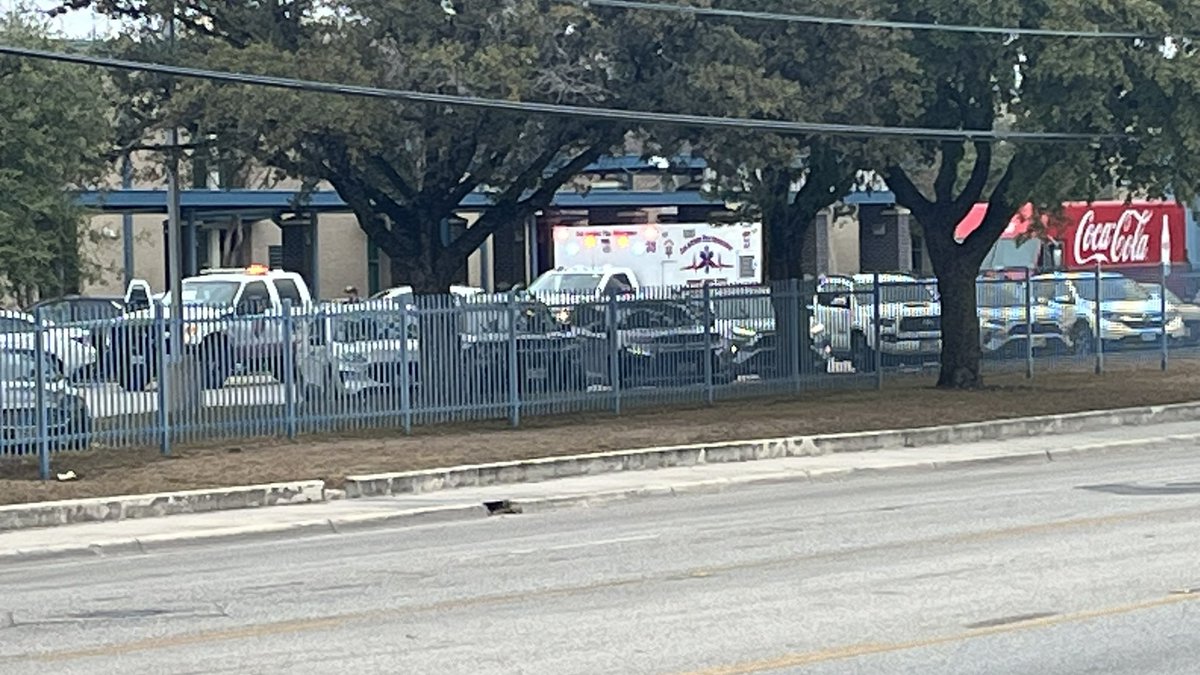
column 353, row 358
column 816, row 329
column 742, row 332
column 1111, row 316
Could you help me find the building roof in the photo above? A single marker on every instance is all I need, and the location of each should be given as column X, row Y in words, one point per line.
column 264, row 203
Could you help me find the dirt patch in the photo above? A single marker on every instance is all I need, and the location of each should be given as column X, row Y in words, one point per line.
column 907, row 401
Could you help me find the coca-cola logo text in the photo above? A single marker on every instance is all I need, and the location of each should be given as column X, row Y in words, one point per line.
column 1124, row 240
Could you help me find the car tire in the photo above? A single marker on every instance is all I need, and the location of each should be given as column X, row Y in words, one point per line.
column 862, row 357
column 1082, row 340
column 216, row 363
column 79, row 429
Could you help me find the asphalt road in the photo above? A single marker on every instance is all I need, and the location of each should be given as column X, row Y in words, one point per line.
column 1087, row 564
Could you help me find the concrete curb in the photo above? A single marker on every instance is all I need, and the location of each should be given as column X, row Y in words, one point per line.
column 46, row 514
column 257, row 533
column 466, row 512
column 536, row 470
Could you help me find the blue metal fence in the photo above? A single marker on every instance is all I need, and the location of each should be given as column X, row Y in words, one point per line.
column 119, row 381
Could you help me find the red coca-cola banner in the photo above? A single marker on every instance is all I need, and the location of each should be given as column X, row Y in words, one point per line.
column 1116, row 233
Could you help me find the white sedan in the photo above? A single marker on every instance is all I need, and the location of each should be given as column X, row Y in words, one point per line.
column 70, row 346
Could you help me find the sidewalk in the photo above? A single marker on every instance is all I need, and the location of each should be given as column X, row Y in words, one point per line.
column 144, row 535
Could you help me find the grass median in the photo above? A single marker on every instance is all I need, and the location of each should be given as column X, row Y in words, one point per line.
column 905, row 401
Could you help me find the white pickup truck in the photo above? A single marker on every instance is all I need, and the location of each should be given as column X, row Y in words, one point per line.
column 232, row 318
column 909, row 319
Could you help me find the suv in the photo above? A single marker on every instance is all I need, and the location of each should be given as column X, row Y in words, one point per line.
column 910, row 318
column 1129, row 314
column 232, row 321
column 562, row 288
column 1004, row 326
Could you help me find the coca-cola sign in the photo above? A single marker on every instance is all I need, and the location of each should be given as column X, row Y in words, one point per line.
column 1122, row 240
column 1118, row 233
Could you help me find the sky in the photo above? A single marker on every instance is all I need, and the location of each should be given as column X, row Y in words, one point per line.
column 78, row 24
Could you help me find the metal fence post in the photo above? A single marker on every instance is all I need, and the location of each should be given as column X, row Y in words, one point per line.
column 1028, row 323
column 795, row 304
column 1162, row 301
column 43, row 421
column 160, row 377
column 405, row 373
column 1098, row 317
column 614, row 352
column 289, row 370
column 877, row 354
column 514, row 392
column 708, row 352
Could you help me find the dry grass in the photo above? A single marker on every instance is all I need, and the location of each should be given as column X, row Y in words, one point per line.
column 905, row 402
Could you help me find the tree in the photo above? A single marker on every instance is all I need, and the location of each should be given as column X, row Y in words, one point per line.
column 404, row 168
column 1134, row 98
column 54, row 133
column 831, row 74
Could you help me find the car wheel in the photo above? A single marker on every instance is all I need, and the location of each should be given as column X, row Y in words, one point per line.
column 862, row 357
column 216, row 363
column 79, row 427
column 1082, row 340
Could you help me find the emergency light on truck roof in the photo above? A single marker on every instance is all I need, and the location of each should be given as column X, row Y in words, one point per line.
column 254, row 269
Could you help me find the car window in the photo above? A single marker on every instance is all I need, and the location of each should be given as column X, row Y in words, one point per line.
column 56, row 312
column 17, row 366
column 289, row 292
column 255, row 298
column 12, row 324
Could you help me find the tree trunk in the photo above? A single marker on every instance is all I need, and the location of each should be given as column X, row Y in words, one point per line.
column 960, row 328
column 419, row 272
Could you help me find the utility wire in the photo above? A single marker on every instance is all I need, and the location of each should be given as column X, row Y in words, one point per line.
column 864, row 23
column 589, row 112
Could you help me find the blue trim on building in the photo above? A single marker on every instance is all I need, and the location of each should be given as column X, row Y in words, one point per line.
column 235, row 202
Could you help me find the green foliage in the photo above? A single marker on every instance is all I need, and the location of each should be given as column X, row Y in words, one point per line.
column 402, row 167
column 831, row 74
column 54, row 133
column 1139, row 102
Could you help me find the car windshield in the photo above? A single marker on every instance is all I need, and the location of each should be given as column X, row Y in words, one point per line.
column 898, row 292
column 206, row 293
column 368, row 328
column 991, row 294
column 570, row 282
column 1116, row 288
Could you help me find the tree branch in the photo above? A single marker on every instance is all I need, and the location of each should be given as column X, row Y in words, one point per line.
column 393, row 177
column 978, row 181
column 907, row 194
column 999, row 213
column 943, row 186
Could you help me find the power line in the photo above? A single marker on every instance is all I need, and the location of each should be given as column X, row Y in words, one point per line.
column 589, row 112
column 862, row 23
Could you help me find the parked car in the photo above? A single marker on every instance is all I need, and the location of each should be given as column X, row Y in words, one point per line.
column 79, row 310
column 662, row 342
column 359, row 349
column 551, row 357
column 1188, row 311
column 1129, row 315
column 1005, row 326
column 68, row 421
column 232, row 324
column 909, row 321
column 746, row 316
column 70, row 347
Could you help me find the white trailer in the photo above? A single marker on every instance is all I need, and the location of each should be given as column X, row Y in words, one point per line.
column 666, row 254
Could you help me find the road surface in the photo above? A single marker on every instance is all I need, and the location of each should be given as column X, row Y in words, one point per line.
column 1084, row 564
